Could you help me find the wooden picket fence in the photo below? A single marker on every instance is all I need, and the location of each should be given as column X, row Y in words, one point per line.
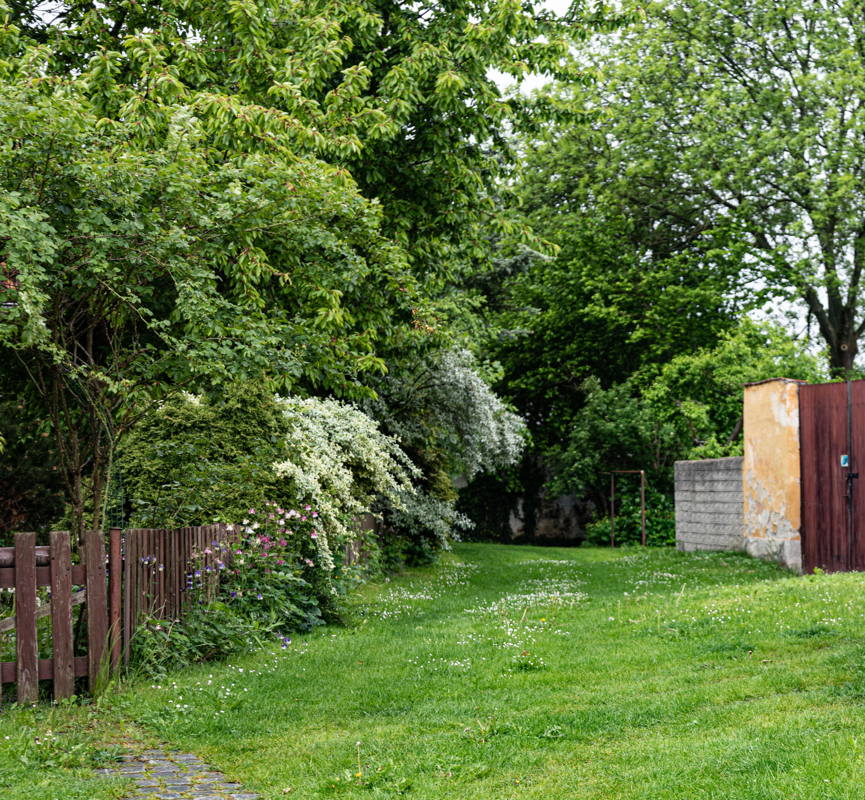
column 146, row 572
column 158, row 571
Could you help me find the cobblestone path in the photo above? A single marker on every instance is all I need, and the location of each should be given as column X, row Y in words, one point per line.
column 166, row 775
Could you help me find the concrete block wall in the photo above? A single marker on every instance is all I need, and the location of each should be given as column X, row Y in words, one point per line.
column 709, row 504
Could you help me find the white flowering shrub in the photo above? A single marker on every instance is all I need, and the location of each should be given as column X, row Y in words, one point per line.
column 484, row 434
column 339, row 459
column 429, row 516
column 444, row 404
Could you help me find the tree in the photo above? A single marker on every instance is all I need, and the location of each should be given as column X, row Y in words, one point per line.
column 141, row 263
column 754, row 111
column 631, row 284
column 689, row 407
column 399, row 93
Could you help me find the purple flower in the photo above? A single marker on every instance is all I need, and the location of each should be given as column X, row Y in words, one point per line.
column 260, row 596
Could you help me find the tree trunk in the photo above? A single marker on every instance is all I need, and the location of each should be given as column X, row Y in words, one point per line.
column 842, row 355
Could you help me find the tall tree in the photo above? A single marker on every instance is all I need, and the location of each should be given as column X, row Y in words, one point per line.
column 756, row 110
column 634, row 282
column 400, row 93
column 139, row 265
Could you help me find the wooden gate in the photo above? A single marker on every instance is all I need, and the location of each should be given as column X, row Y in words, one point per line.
column 832, row 448
column 25, row 568
column 150, row 572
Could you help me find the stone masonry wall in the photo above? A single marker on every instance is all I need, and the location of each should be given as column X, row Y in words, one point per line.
column 709, row 505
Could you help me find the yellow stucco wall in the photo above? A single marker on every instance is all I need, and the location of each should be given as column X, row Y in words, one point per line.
column 771, row 471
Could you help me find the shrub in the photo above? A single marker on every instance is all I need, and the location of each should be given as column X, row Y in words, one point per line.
column 336, row 457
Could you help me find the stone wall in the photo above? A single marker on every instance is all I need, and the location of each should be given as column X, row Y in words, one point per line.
column 709, row 504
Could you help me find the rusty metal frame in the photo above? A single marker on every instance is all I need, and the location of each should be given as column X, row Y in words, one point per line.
column 642, row 474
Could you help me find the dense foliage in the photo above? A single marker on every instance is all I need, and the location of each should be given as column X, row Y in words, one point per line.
column 749, row 117
column 182, row 202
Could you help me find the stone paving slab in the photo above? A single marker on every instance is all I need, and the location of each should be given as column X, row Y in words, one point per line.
column 167, row 775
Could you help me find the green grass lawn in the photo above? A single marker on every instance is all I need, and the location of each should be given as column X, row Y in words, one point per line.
column 518, row 672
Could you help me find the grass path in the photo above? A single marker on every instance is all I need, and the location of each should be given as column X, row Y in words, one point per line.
column 516, row 672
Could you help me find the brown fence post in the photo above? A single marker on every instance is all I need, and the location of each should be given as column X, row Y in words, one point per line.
column 643, row 507
column 61, row 615
column 115, row 566
column 27, row 651
column 97, row 611
column 612, row 509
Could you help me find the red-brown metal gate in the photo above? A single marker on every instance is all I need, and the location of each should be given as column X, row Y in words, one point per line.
column 832, row 448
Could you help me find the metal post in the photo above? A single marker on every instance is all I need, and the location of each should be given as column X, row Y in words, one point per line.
column 612, row 509
column 643, row 505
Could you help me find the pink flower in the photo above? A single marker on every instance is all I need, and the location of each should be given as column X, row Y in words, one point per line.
column 314, row 535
